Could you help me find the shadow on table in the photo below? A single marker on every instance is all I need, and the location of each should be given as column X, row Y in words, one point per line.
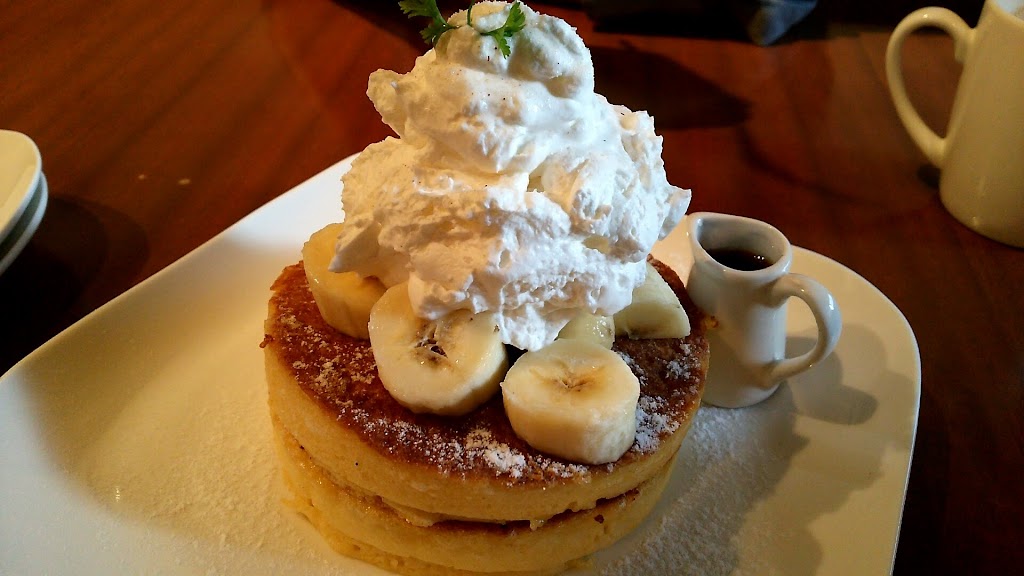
column 929, row 176
column 712, row 19
column 78, row 254
column 388, row 17
column 729, row 20
column 675, row 96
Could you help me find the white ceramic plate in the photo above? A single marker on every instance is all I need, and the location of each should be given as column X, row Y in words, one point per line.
column 137, row 441
column 20, row 166
column 23, row 229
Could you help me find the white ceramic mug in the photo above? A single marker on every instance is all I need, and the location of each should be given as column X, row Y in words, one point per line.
column 749, row 343
column 982, row 156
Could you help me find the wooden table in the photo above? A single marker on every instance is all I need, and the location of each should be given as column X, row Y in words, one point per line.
column 160, row 124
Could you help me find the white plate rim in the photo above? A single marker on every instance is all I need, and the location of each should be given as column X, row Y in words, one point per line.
column 22, row 231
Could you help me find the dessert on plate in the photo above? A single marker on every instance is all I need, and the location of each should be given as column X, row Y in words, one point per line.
column 480, row 369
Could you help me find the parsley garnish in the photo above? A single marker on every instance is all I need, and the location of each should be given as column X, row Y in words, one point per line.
column 515, row 22
column 428, row 8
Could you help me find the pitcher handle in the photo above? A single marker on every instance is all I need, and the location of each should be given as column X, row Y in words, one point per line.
column 928, row 141
column 826, row 315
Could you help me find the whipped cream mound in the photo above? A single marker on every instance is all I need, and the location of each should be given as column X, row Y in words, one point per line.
column 513, row 188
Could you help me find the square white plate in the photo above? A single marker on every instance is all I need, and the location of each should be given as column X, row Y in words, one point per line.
column 138, row 442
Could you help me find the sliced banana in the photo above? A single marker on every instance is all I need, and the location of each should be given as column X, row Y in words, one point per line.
column 573, row 399
column 593, row 327
column 344, row 298
column 655, row 311
column 447, row 366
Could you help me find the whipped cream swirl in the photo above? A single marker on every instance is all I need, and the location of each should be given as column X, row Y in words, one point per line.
column 513, row 188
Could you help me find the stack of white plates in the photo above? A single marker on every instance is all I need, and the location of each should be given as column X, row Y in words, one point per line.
column 23, row 194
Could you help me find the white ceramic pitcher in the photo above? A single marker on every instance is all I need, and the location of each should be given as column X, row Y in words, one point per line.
column 981, row 158
column 746, row 292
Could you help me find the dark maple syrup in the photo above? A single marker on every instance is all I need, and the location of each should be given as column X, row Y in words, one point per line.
column 740, row 259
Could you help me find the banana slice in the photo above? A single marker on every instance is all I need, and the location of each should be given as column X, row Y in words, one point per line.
column 344, row 298
column 655, row 311
column 447, row 366
column 573, row 399
column 597, row 329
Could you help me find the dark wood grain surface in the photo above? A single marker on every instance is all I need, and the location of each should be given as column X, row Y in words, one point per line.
column 161, row 124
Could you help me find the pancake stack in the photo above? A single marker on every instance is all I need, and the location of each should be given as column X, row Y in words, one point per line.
column 430, row 494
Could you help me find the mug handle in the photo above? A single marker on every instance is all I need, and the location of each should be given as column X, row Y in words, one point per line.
column 928, row 141
column 826, row 315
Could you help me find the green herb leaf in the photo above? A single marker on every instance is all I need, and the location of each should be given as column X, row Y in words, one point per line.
column 428, row 9
column 515, row 22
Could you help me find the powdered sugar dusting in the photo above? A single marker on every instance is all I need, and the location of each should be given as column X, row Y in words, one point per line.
column 475, row 449
column 640, row 375
column 655, row 417
column 498, row 455
column 677, row 369
column 652, row 424
column 727, row 464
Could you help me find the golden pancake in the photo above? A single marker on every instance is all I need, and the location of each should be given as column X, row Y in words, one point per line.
column 350, row 451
